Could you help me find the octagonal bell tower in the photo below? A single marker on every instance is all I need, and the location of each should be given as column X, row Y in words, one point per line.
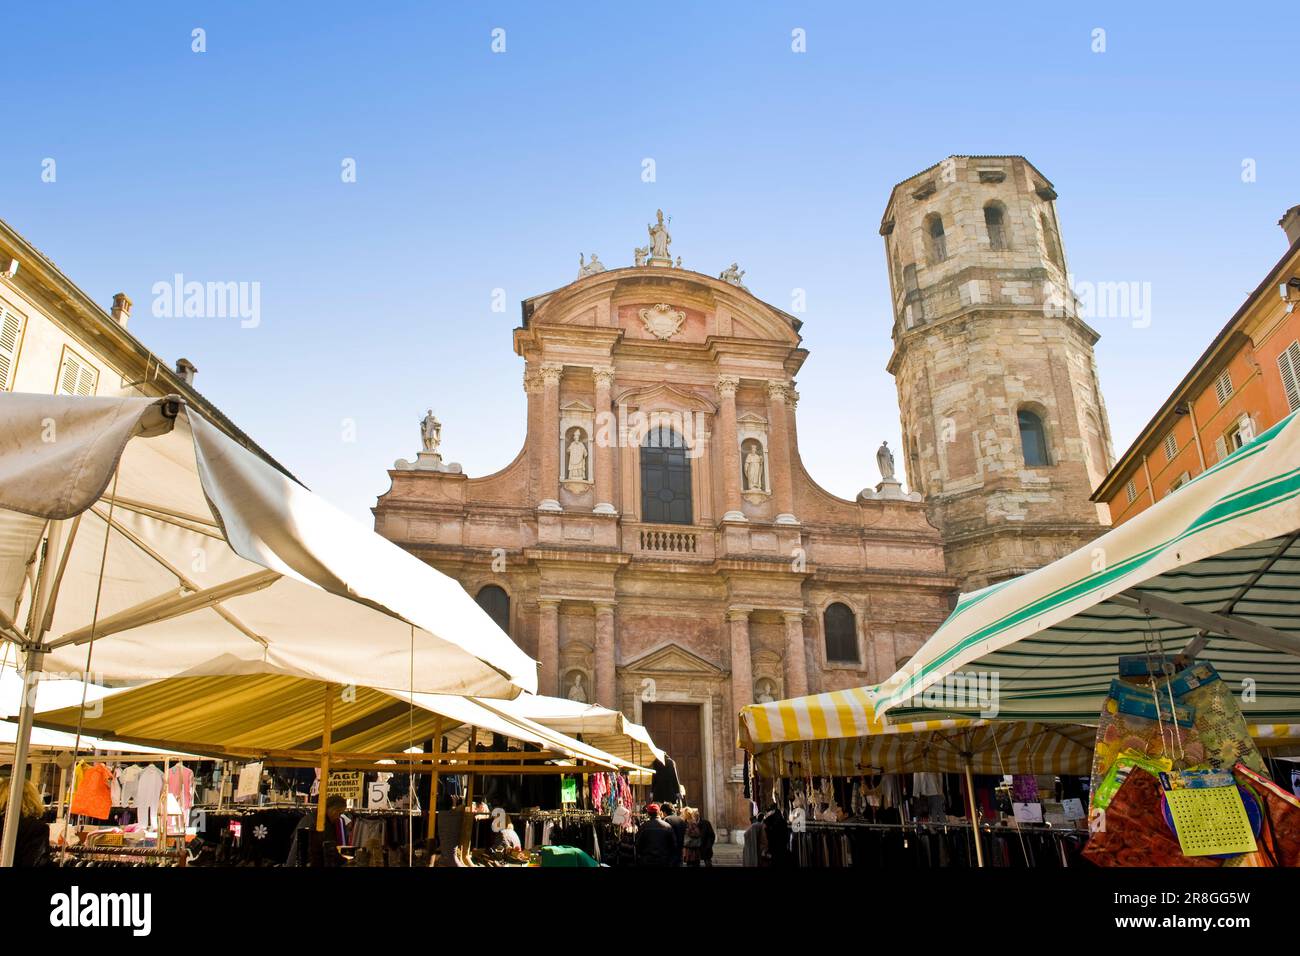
column 1004, row 429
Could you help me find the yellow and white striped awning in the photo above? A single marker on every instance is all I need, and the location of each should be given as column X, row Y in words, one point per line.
column 840, row 713
column 941, row 746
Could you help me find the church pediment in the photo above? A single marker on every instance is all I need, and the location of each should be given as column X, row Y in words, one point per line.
column 666, row 395
column 671, row 659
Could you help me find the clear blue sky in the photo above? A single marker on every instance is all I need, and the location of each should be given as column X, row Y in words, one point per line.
column 478, row 171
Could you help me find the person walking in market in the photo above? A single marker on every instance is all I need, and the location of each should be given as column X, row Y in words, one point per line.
column 708, row 837
column 33, row 847
column 678, row 825
column 692, row 837
column 655, row 844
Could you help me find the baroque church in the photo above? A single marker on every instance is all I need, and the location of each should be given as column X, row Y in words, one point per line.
column 657, row 544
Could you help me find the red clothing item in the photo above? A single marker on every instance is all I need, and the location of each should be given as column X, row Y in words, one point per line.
column 93, row 797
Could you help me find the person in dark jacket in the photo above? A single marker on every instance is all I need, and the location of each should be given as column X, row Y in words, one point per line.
column 708, row 837
column 678, row 825
column 33, row 847
column 655, row 843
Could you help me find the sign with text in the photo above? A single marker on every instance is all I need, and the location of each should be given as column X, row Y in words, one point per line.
column 345, row 783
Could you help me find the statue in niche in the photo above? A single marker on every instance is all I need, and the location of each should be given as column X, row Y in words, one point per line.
column 430, row 432
column 660, row 239
column 577, row 690
column 765, row 692
column 885, row 462
column 640, row 254
column 576, row 455
column 753, row 466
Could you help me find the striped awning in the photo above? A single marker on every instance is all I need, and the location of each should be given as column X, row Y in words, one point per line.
column 941, row 746
column 1219, row 559
column 995, row 747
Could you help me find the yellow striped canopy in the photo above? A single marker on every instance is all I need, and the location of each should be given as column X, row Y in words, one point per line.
column 941, row 746
column 829, row 716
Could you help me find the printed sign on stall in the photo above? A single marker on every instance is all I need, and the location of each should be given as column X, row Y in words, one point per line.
column 345, row 783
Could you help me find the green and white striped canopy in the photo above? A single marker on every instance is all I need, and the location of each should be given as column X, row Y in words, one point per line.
column 1218, row 559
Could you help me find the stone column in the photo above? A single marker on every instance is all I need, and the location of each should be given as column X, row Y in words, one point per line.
column 779, row 452
column 605, row 449
column 796, row 668
column 742, row 669
column 606, row 691
column 548, row 647
column 550, row 437
column 729, row 460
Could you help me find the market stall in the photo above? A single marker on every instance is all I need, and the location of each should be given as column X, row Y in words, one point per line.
column 1168, row 632
column 293, row 724
column 138, row 541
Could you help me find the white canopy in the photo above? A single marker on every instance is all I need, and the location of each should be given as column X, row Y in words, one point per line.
column 606, row 729
column 218, row 563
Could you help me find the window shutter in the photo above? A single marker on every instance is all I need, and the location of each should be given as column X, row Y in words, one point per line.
column 77, row 377
column 1223, row 386
column 1289, row 364
column 1131, row 490
column 1171, row 446
column 11, row 333
column 1221, row 448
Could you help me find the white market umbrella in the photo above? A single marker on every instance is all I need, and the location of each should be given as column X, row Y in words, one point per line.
column 216, row 564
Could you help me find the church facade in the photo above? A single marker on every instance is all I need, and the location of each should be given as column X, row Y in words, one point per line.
column 657, row 544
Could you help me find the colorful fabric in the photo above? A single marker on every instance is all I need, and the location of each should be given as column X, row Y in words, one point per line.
column 92, row 795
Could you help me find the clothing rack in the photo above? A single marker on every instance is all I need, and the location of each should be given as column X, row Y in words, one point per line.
column 79, row 855
column 999, row 828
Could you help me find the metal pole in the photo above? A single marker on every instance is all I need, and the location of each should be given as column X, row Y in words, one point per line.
column 974, row 813
column 30, row 672
column 326, row 737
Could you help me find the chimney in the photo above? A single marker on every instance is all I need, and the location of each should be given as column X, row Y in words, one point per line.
column 1290, row 223
column 185, row 369
column 121, row 309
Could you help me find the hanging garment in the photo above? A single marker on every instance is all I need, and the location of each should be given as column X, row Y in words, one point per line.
column 128, row 776
column 92, row 796
column 148, row 794
column 180, row 784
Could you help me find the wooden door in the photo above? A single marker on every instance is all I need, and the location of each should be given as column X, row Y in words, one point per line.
column 676, row 728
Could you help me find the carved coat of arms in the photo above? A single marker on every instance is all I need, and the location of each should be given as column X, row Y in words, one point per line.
column 663, row 321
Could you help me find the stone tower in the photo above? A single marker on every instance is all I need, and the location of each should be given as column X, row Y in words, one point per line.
column 1004, row 427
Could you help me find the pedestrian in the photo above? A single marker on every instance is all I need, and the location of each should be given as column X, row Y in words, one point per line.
column 691, row 839
column 655, row 843
column 708, row 837
column 678, row 825
column 33, row 846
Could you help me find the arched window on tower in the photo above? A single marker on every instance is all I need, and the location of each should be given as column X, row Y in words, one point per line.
column 995, row 223
column 1033, row 439
column 841, row 634
column 665, row 478
column 936, row 243
column 496, row 602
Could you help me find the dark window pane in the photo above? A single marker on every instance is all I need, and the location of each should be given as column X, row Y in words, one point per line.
column 1033, row 440
column 841, row 634
column 665, row 479
column 496, row 602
